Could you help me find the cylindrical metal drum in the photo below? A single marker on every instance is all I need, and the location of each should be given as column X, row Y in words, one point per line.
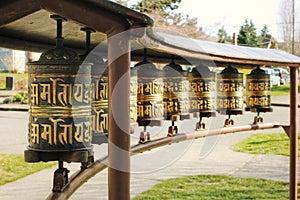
column 176, row 91
column 202, row 91
column 258, row 91
column 99, row 101
column 60, row 105
column 133, row 94
column 150, row 109
column 230, row 92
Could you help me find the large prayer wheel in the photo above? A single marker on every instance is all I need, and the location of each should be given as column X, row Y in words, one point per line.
column 176, row 91
column 150, row 109
column 258, row 91
column 202, row 91
column 59, row 107
column 230, row 92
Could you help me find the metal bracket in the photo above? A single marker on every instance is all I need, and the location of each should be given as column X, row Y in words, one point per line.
column 228, row 122
column 60, row 179
column 258, row 119
column 173, row 130
column 200, row 126
column 286, row 129
column 144, row 137
column 85, row 165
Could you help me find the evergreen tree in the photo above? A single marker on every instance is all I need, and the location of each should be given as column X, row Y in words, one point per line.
column 247, row 35
column 265, row 38
column 223, row 36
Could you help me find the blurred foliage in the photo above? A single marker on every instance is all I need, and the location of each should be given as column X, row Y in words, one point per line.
column 20, row 97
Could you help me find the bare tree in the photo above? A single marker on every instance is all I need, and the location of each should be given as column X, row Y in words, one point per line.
column 289, row 28
column 8, row 62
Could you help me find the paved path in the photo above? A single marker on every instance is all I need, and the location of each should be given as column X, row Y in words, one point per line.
column 211, row 155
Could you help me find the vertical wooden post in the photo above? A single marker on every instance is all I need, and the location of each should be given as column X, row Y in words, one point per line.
column 119, row 120
column 293, row 133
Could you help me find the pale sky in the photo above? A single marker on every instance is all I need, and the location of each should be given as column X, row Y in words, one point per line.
column 213, row 14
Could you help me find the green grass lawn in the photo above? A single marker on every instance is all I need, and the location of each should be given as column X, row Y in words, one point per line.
column 225, row 187
column 276, row 144
column 282, row 90
column 216, row 187
column 13, row 167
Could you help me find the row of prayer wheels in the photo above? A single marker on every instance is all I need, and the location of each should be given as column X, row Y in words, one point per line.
column 163, row 94
column 69, row 107
column 65, row 97
column 69, row 99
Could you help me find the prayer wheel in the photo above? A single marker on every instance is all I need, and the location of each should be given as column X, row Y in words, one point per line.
column 99, row 93
column 59, row 106
column 230, row 92
column 258, row 93
column 150, row 108
column 133, row 99
column 202, row 91
column 99, row 77
column 176, row 91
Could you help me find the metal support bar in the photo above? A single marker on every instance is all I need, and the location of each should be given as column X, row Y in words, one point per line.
column 199, row 134
column 119, row 119
column 82, row 176
column 293, row 134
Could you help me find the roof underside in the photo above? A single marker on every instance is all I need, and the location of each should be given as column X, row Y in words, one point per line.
column 26, row 25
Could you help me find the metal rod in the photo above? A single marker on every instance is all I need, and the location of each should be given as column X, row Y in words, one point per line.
column 294, row 133
column 60, row 164
column 59, row 20
column 198, row 134
column 88, row 32
column 59, row 28
column 119, row 117
column 82, row 176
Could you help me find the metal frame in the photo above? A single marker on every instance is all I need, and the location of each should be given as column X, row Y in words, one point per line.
column 119, row 182
column 112, row 19
column 80, row 177
column 293, row 133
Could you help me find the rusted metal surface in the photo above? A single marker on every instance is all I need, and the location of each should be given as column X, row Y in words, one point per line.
column 80, row 177
column 293, row 134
